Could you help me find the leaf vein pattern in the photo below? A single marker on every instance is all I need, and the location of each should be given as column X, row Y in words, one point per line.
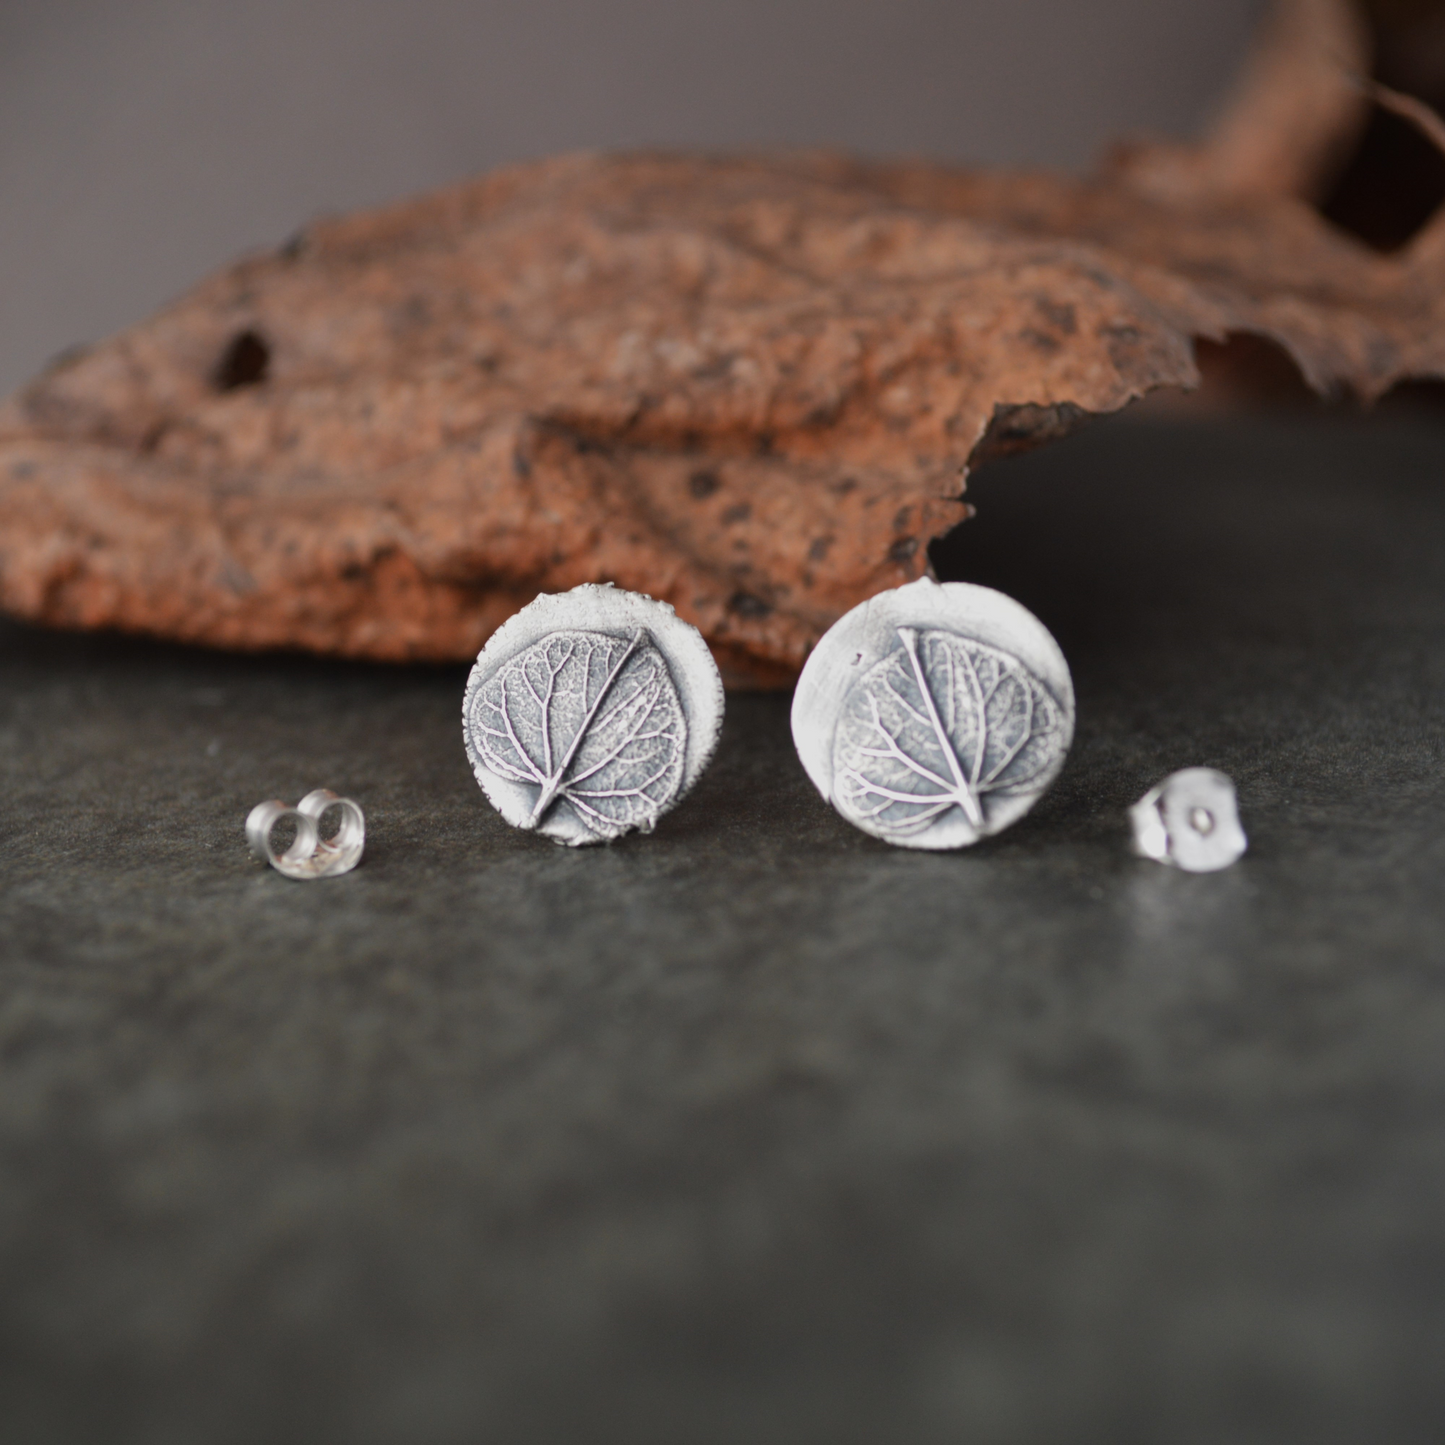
column 588, row 721
column 908, row 724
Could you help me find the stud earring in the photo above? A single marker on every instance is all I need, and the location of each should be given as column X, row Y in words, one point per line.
column 935, row 714
column 591, row 713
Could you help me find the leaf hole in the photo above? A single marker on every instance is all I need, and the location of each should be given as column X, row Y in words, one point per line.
column 1393, row 181
column 246, row 361
column 1244, row 371
column 744, row 604
column 1391, row 186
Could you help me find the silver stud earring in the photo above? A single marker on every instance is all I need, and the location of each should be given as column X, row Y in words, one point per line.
column 591, row 713
column 309, row 855
column 935, row 714
column 1190, row 821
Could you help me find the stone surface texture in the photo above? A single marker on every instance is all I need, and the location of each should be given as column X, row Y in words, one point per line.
column 758, row 1129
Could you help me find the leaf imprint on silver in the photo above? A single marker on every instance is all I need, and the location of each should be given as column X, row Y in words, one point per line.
column 942, row 722
column 593, row 722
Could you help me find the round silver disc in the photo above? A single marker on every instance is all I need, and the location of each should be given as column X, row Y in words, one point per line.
column 935, row 714
column 591, row 713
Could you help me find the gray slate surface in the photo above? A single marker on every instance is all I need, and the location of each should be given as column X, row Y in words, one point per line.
column 756, row 1130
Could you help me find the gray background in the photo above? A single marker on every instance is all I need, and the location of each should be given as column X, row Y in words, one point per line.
column 143, row 143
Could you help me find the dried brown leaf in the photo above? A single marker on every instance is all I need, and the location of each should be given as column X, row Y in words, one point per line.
column 750, row 387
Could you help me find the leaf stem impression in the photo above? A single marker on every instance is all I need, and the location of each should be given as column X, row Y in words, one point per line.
column 964, row 794
column 552, row 785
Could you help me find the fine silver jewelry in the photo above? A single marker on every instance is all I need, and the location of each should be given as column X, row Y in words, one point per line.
column 1190, row 821
column 935, row 714
column 309, row 855
column 591, row 713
